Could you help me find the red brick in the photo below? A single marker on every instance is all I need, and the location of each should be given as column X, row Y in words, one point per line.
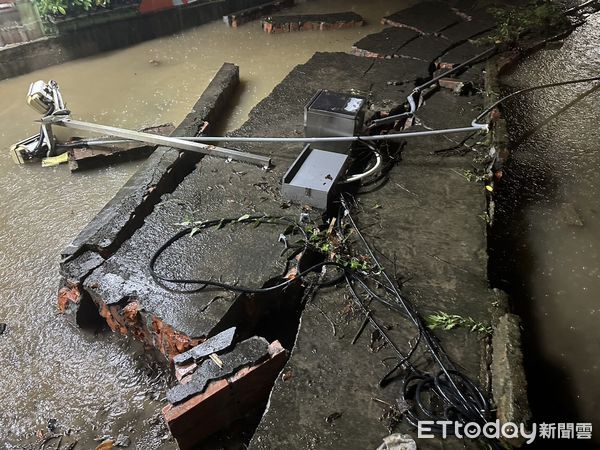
column 224, row 401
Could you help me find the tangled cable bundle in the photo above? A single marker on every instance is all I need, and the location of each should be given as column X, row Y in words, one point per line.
column 446, row 394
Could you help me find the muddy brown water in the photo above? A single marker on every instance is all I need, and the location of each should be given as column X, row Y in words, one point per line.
column 547, row 234
column 99, row 384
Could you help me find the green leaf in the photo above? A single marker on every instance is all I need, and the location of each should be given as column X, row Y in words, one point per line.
column 194, row 231
column 61, row 10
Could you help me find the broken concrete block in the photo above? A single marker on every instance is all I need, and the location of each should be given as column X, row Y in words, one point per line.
column 214, row 344
column 225, row 400
column 182, row 372
column 243, row 16
column 244, row 354
column 459, row 87
column 303, row 22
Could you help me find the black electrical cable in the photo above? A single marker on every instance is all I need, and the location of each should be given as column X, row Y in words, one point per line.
column 162, row 280
column 532, row 88
column 461, row 400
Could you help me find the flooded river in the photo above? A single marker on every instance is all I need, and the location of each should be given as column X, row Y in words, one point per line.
column 548, row 229
column 98, row 385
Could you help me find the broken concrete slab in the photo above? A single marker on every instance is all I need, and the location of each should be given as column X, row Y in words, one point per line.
column 469, row 29
column 424, row 48
column 449, row 272
column 174, row 322
column 426, row 17
column 90, row 157
column 458, row 87
column 159, row 174
column 224, row 401
column 214, row 344
column 458, row 54
column 303, row 22
column 246, row 353
column 243, row 16
column 385, row 44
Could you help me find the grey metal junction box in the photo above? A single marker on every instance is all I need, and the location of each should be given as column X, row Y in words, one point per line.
column 311, row 179
column 333, row 114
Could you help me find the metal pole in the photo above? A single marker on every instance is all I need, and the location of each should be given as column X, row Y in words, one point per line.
column 155, row 139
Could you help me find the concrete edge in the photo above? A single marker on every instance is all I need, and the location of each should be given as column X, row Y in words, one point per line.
column 509, row 384
column 505, row 369
column 145, row 187
column 126, row 211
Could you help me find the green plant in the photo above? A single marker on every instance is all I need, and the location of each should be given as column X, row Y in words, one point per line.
column 445, row 321
column 48, row 8
column 539, row 17
column 333, row 245
column 485, row 216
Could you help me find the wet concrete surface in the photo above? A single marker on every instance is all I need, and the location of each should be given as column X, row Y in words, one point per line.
column 427, row 217
column 447, row 32
column 386, row 43
column 214, row 344
column 425, row 17
column 106, row 230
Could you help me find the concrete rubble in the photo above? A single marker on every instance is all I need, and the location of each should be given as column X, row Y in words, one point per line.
column 304, row 22
column 427, row 218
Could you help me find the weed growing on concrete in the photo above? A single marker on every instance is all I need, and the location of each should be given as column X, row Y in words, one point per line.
column 332, row 243
column 540, row 18
column 445, row 321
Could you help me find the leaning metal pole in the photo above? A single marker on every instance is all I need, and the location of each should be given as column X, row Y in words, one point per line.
column 206, row 149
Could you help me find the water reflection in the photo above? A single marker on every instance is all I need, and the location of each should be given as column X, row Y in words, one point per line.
column 547, row 233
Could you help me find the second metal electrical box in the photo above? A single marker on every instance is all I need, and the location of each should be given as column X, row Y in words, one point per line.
column 311, row 179
column 333, row 114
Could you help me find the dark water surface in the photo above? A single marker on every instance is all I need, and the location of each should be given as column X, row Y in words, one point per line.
column 546, row 239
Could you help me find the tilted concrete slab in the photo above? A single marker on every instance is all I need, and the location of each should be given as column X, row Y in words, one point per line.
column 426, row 17
column 385, row 44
